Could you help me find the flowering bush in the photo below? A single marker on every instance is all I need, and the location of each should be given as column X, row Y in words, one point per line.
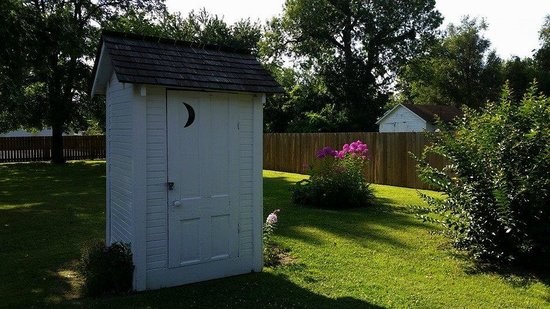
column 271, row 256
column 337, row 179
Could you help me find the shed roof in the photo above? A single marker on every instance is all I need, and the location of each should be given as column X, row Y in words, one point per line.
column 142, row 59
column 429, row 112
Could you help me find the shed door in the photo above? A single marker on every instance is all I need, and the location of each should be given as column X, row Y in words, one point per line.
column 202, row 156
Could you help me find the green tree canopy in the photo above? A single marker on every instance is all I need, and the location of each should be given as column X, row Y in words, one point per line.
column 46, row 58
column 55, row 41
column 460, row 70
column 353, row 48
column 542, row 58
column 200, row 27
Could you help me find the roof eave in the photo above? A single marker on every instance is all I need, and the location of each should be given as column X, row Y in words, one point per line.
column 103, row 69
column 388, row 113
column 273, row 90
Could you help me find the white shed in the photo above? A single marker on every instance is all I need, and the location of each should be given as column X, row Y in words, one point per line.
column 416, row 118
column 184, row 156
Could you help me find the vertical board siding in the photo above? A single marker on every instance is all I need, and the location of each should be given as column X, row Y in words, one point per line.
column 156, row 216
column 246, row 117
column 403, row 120
column 38, row 148
column 391, row 162
column 119, row 163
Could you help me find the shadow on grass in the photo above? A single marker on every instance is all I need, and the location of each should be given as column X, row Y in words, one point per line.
column 370, row 223
column 257, row 290
column 46, row 213
column 519, row 275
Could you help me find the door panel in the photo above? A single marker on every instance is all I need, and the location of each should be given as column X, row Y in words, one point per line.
column 203, row 164
column 188, row 243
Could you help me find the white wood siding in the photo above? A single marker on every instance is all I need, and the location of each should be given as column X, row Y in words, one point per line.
column 246, row 142
column 258, row 183
column 119, row 162
column 157, row 216
column 402, row 120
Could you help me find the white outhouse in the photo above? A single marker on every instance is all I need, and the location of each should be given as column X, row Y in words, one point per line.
column 184, row 156
column 416, row 118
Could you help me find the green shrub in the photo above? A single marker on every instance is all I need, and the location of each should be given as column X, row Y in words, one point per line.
column 497, row 180
column 106, row 269
column 337, row 179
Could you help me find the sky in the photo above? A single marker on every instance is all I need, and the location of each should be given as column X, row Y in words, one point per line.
column 513, row 24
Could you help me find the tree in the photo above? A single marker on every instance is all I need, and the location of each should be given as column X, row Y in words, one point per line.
column 542, row 58
column 354, row 47
column 199, row 27
column 306, row 106
column 14, row 31
column 460, row 69
column 57, row 42
column 519, row 73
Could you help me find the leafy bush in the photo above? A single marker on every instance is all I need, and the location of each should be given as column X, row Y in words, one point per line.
column 106, row 269
column 337, row 179
column 497, row 180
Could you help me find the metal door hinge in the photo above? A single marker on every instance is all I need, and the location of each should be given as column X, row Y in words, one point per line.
column 170, row 185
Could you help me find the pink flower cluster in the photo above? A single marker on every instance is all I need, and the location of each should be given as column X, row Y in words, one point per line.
column 355, row 149
column 272, row 218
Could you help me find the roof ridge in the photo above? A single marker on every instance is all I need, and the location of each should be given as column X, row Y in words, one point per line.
column 146, row 59
column 176, row 42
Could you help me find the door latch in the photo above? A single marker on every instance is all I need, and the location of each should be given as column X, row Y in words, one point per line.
column 170, row 185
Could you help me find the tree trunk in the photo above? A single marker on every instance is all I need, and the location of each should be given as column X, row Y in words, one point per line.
column 57, row 119
column 57, row 144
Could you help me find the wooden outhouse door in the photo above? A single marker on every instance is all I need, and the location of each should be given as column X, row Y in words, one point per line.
column 203, row 177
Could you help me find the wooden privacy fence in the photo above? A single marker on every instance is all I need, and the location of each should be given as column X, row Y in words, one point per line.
column 38, row 148
column 390, row 162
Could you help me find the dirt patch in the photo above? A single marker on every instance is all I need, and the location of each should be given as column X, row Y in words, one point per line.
column 277, row 256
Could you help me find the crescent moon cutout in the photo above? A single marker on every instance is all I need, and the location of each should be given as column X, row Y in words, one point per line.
column 191, row 113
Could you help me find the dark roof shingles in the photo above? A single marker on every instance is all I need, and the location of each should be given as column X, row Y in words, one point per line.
column 148, row 60
column 431, row 112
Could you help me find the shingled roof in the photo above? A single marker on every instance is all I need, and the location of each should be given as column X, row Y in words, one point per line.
column 431, row 112
column 159, row 61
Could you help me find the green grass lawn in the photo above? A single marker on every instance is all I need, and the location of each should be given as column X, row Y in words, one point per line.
column 380, row 256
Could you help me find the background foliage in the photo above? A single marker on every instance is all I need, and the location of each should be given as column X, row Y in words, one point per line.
column 461, row 69
column 497, row 181
column 345, row 56
column 46, row 68
column 342, row 63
